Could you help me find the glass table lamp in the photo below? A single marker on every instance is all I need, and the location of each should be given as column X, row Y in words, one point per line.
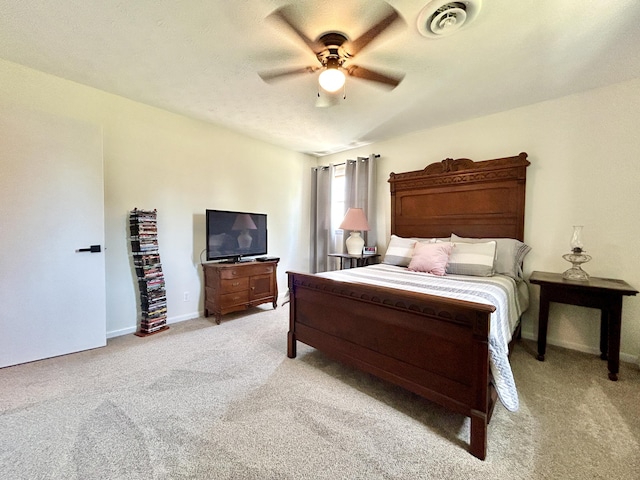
column 577, row 257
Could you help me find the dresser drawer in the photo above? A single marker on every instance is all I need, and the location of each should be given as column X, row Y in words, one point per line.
column 234, row 284
column 247, row 270
column 231, row 299
column 261, row 269
column 229, row 273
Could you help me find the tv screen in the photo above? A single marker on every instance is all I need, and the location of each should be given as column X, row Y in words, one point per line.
column 233, row 235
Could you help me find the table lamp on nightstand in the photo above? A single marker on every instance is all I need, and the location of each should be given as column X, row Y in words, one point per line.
column 356, row 221
column 577, row 257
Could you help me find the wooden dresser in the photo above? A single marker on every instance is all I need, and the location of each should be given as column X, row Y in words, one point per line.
column 231, row 287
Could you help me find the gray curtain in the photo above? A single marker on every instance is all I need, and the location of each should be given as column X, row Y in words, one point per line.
column 360, row 185
column 321, row 232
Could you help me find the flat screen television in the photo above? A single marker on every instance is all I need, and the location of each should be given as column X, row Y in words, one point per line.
column 233, row 235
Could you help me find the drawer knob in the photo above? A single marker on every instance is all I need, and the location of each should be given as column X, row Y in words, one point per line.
column 235, row 284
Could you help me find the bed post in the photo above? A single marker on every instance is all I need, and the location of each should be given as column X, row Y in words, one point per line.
column 291, row 336
column 478, row 444
column 482, row 405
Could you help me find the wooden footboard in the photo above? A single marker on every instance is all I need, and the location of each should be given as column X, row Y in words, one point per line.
column 433, row 346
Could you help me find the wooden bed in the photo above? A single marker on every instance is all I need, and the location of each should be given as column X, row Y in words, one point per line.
column 433, row 346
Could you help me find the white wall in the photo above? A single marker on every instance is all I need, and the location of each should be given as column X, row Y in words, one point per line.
column 584, row 152
column 181, row 167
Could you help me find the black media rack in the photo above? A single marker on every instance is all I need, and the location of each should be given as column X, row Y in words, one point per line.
column 146, row 259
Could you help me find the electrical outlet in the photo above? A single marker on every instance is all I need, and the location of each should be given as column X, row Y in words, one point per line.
column 186, row 296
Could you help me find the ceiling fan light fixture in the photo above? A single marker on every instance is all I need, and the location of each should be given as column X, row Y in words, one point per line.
column 332, row 50
column 331, row 79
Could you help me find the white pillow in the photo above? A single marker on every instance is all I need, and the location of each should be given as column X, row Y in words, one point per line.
column 400, row 250
column 472, row 259
column 510, row 254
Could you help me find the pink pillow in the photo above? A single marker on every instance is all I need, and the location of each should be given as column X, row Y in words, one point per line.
column 430, row 257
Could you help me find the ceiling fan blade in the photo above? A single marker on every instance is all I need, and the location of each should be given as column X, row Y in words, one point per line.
column 366, row 74
column 273, row 75
column 280, row 14
column 363, row 40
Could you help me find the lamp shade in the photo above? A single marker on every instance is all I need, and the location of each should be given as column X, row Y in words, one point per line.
column 355, row 219
column 244, row 222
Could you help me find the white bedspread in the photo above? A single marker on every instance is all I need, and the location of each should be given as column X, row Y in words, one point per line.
column 499, row 291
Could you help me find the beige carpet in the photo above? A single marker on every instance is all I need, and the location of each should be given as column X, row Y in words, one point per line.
column 202, row 401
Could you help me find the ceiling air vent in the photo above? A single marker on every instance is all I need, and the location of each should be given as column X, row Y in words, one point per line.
column 440, row 18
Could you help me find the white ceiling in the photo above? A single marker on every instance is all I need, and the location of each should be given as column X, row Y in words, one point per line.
column 201, row 58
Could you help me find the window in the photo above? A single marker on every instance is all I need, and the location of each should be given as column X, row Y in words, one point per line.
column 338, row 207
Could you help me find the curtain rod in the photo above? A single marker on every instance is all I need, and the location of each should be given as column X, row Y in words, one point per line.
column 375, row 155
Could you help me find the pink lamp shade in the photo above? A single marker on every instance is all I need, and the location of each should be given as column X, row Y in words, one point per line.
column 244, row 222
column 356, row 221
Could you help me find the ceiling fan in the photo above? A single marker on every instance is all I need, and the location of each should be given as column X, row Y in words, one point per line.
column 334, row 51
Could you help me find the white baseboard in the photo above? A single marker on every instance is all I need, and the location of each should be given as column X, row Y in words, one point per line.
column 119, row 333
column 282, row 298
column 170, row 320
column 624, row 357
column 182, row 318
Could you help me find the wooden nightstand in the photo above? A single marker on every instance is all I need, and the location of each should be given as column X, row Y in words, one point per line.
column 358, row 260
column 604, row 294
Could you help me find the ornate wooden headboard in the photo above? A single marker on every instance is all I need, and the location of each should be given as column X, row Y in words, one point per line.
column 470, row 199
